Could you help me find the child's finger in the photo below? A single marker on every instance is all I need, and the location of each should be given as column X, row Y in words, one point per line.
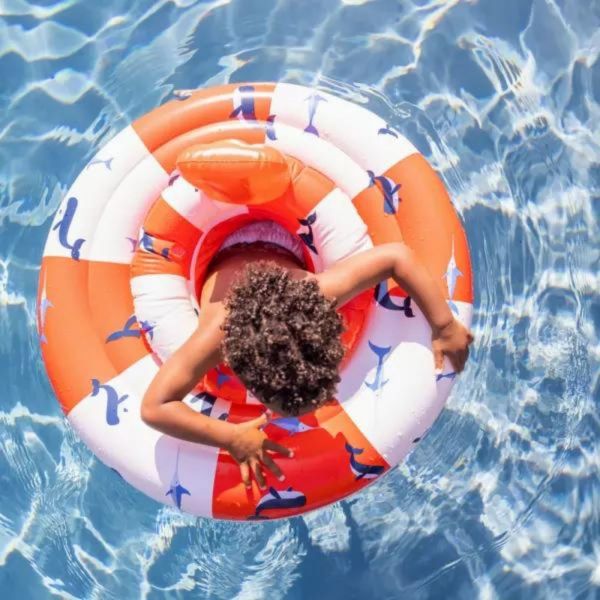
column 272, row 466
column 245, row 473
column 260, row 478
column 275, row 447
column 438, row 357
column 258, row 422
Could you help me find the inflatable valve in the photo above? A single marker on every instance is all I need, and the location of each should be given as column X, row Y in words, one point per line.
column 236, row 172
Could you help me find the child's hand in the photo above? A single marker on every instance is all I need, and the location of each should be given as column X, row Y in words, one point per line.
column 248, row 447
column 452, row 341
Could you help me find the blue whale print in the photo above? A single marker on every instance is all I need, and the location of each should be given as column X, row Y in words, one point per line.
column 313, row 104
column 129, row 332
column 378, row 382
column 112, row 401
column 279, row 499
column 451, row 276
column 420, row 437
column 176, row 490
column 207, row 402
column 64, row 226
column 45, row 304
column 207, row 405
column 98, row 161
column 147, row 244
column 270, row 128
column 390, row 189
column 383, row 298
column 221, row 377
column 451, row 375
column 243, row 103
column 291, row 424
column 387, row 130
column 360, row 470
column 308, row 237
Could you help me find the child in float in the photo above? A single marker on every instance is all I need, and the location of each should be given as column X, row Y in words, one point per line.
column 276, row 325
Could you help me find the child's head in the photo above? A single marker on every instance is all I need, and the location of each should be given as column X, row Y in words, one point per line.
column 282, row 339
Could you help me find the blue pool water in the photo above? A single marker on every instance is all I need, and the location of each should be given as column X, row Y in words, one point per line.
column 502, row 499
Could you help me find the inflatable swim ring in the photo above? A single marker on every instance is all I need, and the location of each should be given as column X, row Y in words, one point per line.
column 131, row 227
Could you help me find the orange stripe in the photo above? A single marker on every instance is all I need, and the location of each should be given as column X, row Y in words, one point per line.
column 207, row 106
column 111, row 306
column 382, row 228
column 171, row 232
column 429, row 223
column 89, row 302
column 309, row 188
column 223, row 382
column 320, row 452
column 336, row 421
column 165, row 222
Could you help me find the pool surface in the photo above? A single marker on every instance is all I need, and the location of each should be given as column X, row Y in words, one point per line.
column 502, row 498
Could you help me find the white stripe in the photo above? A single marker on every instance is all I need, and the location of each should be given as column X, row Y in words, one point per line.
column 197, row 208
column 338, row 230
column 125, row 212
column 92, row 190
column 353, row 129
column 322, row 156
column 164, row 302
column 407, row 405
column 143, row 456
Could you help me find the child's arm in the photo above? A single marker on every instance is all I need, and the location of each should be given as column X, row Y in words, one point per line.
column 162, row 408
column 175, row 379
column 361, row 272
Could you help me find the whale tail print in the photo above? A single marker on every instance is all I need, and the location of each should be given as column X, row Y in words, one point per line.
column 310, row 128
column 127, row 331
column 353, row 450
column 379, row 351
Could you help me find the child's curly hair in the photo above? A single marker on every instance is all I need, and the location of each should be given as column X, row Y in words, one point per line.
column 282, row 338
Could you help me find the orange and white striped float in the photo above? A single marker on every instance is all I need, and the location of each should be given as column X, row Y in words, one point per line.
column 131, row 227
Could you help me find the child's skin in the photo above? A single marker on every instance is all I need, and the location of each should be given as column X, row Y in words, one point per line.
column 247, row 443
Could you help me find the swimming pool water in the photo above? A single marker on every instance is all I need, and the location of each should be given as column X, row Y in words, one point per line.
column 502, row 498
